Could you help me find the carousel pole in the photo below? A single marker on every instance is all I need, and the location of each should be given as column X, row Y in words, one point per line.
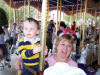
column 43, row 31
column 77, row 11
column 38, row 10
column 70, row 19
column 73, row 12
column 14, row 12
column 95, row 21
column 84, row 26
column 60, row 10
column 95, row 14
column 71, row 16
column 28, row 8
column 99, row 39
column 57, row 16
column 85, row 11
column 81, row 10
column 18, row 15
column 80, row 25
column 10, row 17
column 99, row 48
column 24, row 8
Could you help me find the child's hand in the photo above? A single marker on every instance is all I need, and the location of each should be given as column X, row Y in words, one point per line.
column 37, row 49
column 18, row 64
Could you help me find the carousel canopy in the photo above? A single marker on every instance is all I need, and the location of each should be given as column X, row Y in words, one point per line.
column 67, row 5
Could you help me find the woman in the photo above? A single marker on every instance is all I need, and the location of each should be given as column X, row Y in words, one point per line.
column 63, row 50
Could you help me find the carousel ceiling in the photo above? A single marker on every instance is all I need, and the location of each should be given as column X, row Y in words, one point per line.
column 92, row 5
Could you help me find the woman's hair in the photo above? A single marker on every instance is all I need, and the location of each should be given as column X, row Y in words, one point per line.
column 31, row 20
column 65, row 37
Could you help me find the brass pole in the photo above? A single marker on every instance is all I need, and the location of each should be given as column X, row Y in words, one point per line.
column 99, row 48
column 14, row 10
column 81, row 10
column 73, row 12
column 60, row 9
column 77, row 11
column 10, row 18
column 24, row 8
column 95, row 14
column 38, row 10
column 57, row 16
column 83, row 27
column 43, row 32
column 85, row 11
column 18, row 15
column 70, row 19
column 28, row 8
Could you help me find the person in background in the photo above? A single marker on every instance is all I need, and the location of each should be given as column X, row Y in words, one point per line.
column 50, row 28
column 73, row 26
column 61, row 28
column 13, row 33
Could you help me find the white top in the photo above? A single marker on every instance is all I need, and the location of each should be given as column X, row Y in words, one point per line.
column 61, row 68
column 78, row 34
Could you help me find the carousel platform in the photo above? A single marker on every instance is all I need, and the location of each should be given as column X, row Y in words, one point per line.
column 8, row 70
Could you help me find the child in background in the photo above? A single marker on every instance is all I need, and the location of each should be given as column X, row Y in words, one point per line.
column 29, row 47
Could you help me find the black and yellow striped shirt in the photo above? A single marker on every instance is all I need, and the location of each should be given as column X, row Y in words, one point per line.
column 26, row 50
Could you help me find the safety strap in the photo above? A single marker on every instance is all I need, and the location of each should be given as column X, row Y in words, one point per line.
column 31, row 70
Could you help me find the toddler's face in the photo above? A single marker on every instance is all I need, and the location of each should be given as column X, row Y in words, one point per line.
column 30, row 30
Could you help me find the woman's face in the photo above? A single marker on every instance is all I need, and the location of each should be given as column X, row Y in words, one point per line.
column 64, row 49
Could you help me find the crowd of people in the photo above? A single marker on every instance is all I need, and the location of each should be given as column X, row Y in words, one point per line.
column 59, row 58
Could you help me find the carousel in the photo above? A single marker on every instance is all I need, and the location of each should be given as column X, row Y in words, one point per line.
column 69, row 7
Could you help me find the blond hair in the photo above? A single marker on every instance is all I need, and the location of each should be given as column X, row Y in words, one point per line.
column 65, row 37
column 31, row 21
